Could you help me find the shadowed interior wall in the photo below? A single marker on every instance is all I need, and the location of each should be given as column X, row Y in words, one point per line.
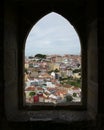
column 92, row 68
column 18, row 19
column 10, row 61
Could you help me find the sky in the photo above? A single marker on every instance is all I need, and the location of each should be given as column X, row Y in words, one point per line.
column 52, row 34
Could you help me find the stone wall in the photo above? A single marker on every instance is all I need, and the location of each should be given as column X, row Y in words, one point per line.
column 16, row 26
column 10, row 60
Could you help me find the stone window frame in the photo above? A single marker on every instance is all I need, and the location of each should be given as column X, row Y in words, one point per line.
column 16, row 27
column 72, row 106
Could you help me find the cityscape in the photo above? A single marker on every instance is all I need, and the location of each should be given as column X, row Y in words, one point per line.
column 52, row 79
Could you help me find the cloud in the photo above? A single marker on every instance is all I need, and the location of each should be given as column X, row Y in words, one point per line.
column 52, row 34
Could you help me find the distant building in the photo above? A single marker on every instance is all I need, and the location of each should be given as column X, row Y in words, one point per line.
column 56, row 66
column 26, row 65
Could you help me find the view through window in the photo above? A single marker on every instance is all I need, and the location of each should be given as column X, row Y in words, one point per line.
column 52, row 68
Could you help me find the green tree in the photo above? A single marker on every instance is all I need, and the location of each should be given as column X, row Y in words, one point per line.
column 41, row 56
column 56, row 70
column 76, row 70
column 30, row 57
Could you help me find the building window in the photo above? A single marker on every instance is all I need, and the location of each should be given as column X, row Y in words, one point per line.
column 52, row 64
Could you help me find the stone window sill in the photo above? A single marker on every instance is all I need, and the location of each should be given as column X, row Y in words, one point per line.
column 60, row 116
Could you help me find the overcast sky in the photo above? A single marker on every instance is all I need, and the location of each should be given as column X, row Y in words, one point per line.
column 52, row 34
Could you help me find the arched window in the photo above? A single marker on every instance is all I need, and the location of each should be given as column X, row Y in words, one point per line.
column 52, row 69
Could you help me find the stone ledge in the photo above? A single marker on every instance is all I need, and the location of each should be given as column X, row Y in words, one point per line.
column 56, row 120
column 57, row 116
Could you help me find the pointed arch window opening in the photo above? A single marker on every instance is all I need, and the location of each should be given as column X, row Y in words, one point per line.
column 52, row 69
